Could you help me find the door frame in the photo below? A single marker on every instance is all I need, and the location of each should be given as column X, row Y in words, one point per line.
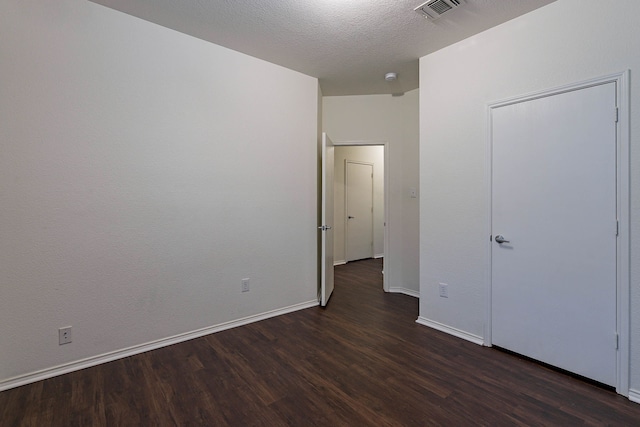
column 386, row 251
column 346, row 205
column 621, row 80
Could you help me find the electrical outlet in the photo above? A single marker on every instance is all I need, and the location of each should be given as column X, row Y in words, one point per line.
column 64, row 335
column 444, row 290
column 245, row 285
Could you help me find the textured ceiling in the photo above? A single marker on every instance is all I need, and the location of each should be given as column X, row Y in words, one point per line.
column 348, row 44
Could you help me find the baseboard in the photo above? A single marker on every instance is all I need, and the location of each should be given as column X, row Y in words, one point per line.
column 634, row 395
column 341, row 262
column 130, row 351
column 410, row 292
column 451, row 331
column 378, row 256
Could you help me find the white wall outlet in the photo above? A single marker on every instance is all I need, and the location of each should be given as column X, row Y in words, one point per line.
column 64, row 335
column 444, row 290
column 245, row 285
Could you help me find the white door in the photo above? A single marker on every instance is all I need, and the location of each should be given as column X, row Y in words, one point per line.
column 326, row 228
column 359, row 210
column 553, row 284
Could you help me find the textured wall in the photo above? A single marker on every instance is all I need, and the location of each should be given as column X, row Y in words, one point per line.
column 144, row 174
column 565, row 42
column 393, row 120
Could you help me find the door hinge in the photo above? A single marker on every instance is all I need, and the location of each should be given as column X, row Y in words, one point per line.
column 617, row 111
column 617, row 228
column 617, row 341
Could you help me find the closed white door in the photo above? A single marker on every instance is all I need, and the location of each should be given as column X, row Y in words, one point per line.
column 553, row 292
column 326, row 228
column 359, row 210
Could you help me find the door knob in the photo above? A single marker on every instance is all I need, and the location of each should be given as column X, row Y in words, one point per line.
column 500, row 239
column 350, row 217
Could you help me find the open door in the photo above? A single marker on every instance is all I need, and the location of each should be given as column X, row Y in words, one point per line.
column 326, row 230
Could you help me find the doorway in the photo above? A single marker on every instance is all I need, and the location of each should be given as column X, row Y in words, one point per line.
column 375, row 154
column 557, row 200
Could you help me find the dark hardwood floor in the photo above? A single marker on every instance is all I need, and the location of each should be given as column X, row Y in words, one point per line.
column 362, row 361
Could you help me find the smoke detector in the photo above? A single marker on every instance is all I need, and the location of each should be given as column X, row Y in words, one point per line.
column 390, row 77
column 433, row 9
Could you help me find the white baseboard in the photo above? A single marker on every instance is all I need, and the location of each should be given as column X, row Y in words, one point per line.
column 634, row 395
column 378, row 256
column 341, row 262
column 130, row 351
column 451, row 331
column 410, row 292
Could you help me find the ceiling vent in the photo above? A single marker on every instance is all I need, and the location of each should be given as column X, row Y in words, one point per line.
column 433, row 9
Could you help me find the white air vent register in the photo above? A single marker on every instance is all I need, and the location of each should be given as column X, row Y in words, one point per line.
column 433, row 9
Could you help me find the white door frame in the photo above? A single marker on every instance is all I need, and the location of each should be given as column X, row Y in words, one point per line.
column 623, row 208
column 346, row 205
column 386, row 252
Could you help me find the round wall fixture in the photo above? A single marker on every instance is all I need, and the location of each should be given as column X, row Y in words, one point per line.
column 390, row 77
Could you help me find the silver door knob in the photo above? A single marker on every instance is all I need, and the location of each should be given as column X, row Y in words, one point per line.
column 500, row 239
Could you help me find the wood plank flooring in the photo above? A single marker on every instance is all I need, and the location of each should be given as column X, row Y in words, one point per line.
column 362, row 361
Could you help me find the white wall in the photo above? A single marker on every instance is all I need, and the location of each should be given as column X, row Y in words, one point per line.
column 367, row 154
column 384, row 118
column 564, row 42
column 144, row 174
